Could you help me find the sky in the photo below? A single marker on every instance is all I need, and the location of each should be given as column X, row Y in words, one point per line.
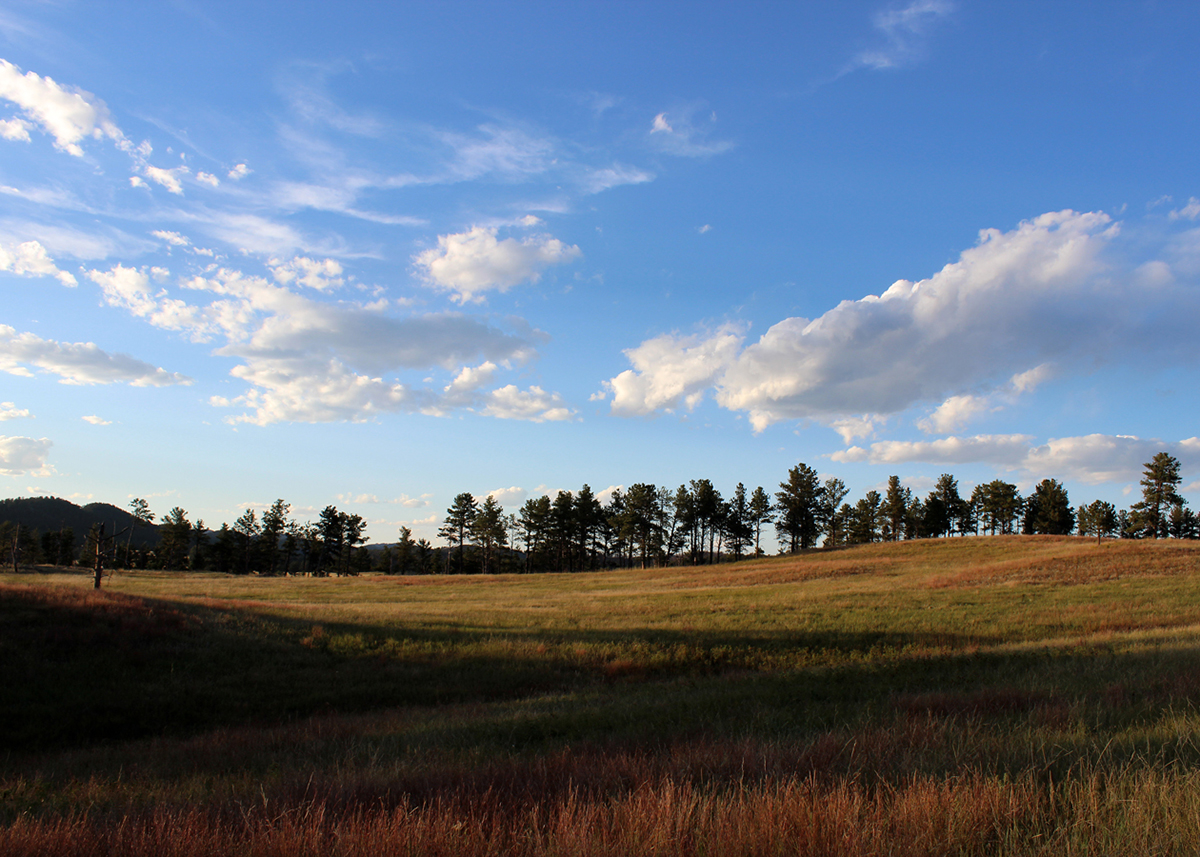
column 376, row 255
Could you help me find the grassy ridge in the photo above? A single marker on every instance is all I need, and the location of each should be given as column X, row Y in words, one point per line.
column 976, row 695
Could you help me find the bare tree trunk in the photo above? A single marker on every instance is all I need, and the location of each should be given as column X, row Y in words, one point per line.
column 98, row 568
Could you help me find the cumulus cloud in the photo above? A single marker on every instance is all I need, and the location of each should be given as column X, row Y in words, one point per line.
column 97, row 421
column 239, row 172
column 323, row 275
column 172, row 238
column 9, row 411
column 671, row 370
column 30, row 259
column 208, row 179
column 69, row 115
column 1003, row 450
column 469, row 264
column 131, row 289
column 954, row 413
column 1042, row 295
column 78, row 362
column 20, row 455
column 15, row 129
column 512, row 496
column 535, row 404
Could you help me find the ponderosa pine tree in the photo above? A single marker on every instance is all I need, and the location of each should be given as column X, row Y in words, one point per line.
column 760, row 513
column 1048, row 510
column 895, row 509
column 799, row 503
column 1160, row 479
column 489, row 531
column 457, row 526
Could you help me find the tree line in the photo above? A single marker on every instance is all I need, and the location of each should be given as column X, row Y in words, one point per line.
column 647, row 525
column 643, row 525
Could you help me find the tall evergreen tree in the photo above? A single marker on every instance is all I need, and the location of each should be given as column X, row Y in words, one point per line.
column 489, row 531
column 798, row 503
column 457, row 526
column 1160, row 479
column 895, row 509
column 761, row 511
column 1048, row 510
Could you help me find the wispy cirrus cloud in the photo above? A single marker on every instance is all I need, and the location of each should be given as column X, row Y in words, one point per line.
column 905, row 31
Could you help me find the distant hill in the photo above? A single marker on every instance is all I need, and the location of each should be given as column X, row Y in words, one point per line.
column 51, row 513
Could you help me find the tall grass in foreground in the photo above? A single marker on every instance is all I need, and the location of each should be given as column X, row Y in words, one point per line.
column 1148, row 812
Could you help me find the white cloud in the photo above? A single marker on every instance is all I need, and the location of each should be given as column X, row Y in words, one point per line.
column 69, row 115
column 130, row 288
column 906, row 32
column 78, row 363
column 239, row 172
column 705, row 228
column 535, row 404
column 16, row 130
column 1002, row 450
column 682, row 137
column 1188, row 212
column 20, row 455
column 208, row 179
column 167, row 178
column 669, row 370
column 136, row 181
column 853, row 427
column 311, row 361
column 172, row 238
column 9, row 411
column 597, row 180
column 507, row 152
column 1013, row 306
column 1027, row 382
column 30, row 259
column 1091, row 459
column 954, row 413
column 468, row 264
column 97, row 421
column 321, row 276
column 512, row 496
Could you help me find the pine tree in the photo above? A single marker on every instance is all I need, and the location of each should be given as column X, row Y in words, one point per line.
column 457, row 526
column 1159, row 481
column 799, row 505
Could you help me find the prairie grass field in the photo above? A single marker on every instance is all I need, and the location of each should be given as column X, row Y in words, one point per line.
column 994, row 695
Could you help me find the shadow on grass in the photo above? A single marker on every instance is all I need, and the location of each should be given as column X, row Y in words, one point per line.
column 81, row 668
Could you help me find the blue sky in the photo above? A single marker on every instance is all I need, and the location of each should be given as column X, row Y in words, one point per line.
column 379, row 255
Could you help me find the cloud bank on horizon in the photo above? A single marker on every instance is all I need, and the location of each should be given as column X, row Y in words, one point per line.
column 324, row 252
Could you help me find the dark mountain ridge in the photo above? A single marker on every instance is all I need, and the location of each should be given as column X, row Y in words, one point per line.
column 46, row 514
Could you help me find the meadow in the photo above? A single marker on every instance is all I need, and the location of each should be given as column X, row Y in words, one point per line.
column 995, row 695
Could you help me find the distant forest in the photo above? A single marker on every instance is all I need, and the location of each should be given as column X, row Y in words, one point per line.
column 644, row 526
